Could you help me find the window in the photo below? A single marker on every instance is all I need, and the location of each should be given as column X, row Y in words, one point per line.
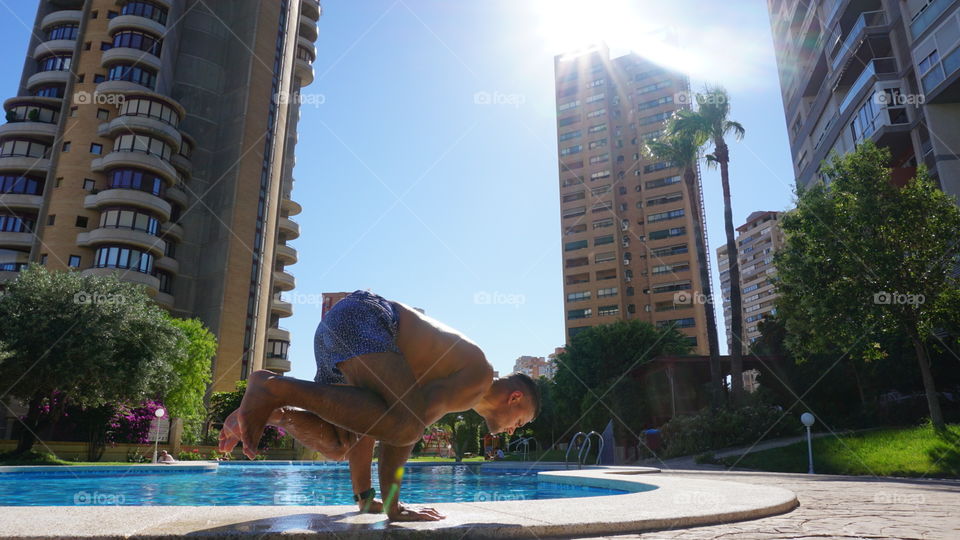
column 595, row 98
column 665, row 199
column 579, row 261
column 54, row 63
column 602, row 158
column 578, row 278
column 568, row 105
column 603, row 223
column 608, row 310
column 105, row 45
column 74, row 261
column 32, row 113
column 604, row 275
column 578, row 296
column 146, row 9
column 124, row 258
column 103, row 114
column 596, row 113
column 16, row 224
column 659, row 166
column 574, row 212
column 579, row 313
column 654, row 87
column 49, row 91
column 597, row 128
column 580, row 195
column 65, row 147
column 670, row 268
column 137, row 40
column 568, row 120
column 51, row 219
column 655, row 118
column 667, row 233
column 58, row 181
column 569, row 135
column 98, row 78
column 603, row 240
column 96, row 148
column 112, row 14
column 576, row 229
column 570, row 150
column 664, row 216
column 678, row 249
column 572, row 181
column 677, row 323
column 137, row 220
column 606, row 256
column 606, row 293
column 599, row 143
column 142, row 143
column 82, row 222
column 573, row 246
column 134, row 74
column 928, row 61
column 25, row 185
column 22, row 148
column 137, row 179
column 596, row 82
column 605, row 206
column 601, row 190
column 600, row 175
column 652, row 104
column 660, row 182
column 63, row 31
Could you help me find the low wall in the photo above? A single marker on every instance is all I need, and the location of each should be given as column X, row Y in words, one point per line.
column 77, row 451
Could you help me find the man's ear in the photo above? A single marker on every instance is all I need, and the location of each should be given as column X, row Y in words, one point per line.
column 514, row 397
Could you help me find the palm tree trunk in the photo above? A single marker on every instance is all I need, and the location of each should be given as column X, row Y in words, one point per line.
column 736, row 304
column 933, row 402
column 700, row 246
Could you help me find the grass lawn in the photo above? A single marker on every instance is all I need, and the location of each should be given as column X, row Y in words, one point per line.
column 474, row 459
column 43, row 458
column 549, row 455
column 917, row 451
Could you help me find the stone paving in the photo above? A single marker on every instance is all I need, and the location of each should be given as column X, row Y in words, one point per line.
column 838, row 507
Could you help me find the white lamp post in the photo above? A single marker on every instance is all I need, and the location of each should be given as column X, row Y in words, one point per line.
column 156, row 437
column 808, row 420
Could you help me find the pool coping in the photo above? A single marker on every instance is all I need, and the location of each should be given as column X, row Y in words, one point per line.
column 675, row 502
column 179, row 467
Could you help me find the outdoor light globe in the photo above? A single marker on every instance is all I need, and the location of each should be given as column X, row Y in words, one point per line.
column 160, row 413
column 807, row 419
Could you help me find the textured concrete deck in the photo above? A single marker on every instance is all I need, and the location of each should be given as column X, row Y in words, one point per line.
column 837, row 507
column 676, row 502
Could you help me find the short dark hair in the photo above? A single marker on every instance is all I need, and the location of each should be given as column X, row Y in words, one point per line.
column 530, row 389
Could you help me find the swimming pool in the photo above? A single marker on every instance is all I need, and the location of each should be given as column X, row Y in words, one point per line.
column 284, row 484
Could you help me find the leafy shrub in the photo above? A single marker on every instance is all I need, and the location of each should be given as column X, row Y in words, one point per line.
column 706, row 430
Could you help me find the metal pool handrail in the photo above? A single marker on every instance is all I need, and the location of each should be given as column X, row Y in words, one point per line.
column 573, row 441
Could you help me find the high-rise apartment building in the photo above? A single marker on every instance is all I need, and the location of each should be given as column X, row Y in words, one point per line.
column 155, row 139
column 884, row 70
column 758, row 239
column 626, row 221
column 534, row 367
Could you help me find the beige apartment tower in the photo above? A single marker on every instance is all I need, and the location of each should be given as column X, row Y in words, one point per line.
column 626, row 226
column 757, row 241
column 155, row 139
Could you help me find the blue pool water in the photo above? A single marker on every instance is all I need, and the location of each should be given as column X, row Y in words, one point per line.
column 272, row 484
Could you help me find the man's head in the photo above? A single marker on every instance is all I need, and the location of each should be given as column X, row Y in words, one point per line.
column 511, row 402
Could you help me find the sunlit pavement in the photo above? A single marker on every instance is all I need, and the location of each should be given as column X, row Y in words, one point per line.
column 838, row 507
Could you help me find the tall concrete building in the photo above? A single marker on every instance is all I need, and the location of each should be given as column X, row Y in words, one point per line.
column 885, row 70
column 626, row 224
column 758, row 239
column 534, row 367
column 155, row 139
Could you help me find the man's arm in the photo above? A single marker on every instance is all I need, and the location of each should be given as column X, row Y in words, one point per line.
column 461, row 390
column 392, row 460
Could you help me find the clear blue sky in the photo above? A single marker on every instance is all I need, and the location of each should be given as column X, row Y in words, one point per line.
column 413, row 190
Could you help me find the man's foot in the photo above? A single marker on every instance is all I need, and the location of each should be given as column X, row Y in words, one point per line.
column 258, row 404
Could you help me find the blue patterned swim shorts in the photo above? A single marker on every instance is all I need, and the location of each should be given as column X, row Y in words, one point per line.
column 361, row 323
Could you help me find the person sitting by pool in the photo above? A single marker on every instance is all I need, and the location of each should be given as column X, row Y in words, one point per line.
column 165, row 457
column 384, row 372
column 499, row 455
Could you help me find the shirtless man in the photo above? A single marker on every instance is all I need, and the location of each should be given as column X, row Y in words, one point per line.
column 384, row 373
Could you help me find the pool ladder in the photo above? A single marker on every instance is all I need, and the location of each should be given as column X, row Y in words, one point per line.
column 584, row 451
column 523, row 443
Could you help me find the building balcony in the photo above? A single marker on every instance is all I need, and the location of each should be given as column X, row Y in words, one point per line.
column 23, row 164
column 286, row 254
column 141, row 160
column 128, row 237
column 30, row 130
column 284, row 281
column 54, row 46
column 48, row 78
column 64, row 16
column 927, row 17
column 6, row 276
column 172, row 230
column 308, row 28
column 278, row 334
column 124, row 124
column 152, row 283
column 867, row 22
column 20, row 201
column 182, row 164
column 47, row 102
column 129, row 197
column 276, row 364
column 126, row 55
column 281, row 308
column 164, row 299
column 304, row 70
column 291, row 206
column 289, row 227
column 308, row 45
column 177, row 196
column 167, row 264
column 311, row 8
column 120, row 87
column 871, row 72
column 135, row 22
column 16, row 240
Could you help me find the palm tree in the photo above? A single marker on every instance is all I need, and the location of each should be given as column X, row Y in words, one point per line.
column 683, row 151
column 711, row 123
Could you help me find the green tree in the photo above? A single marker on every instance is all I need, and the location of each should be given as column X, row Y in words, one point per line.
column 87, row 340
column 866, row 259
column 683, row 150
column 193, row 368
column 464, row 429
column 593, row 381
column 711, row 122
